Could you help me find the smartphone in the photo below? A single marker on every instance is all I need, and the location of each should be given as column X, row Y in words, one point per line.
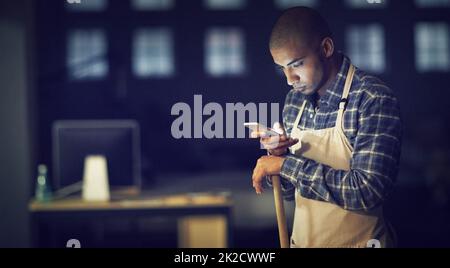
column 257, row 127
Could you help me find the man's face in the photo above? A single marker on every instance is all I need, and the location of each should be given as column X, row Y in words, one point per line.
column 302, row 65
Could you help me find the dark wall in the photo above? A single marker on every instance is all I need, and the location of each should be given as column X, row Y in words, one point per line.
column 121, row 95
column 16, row 154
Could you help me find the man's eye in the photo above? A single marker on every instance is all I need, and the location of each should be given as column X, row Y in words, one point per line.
column 297, row 64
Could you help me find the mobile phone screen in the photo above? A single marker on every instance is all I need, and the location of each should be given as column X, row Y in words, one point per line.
column 257, row 127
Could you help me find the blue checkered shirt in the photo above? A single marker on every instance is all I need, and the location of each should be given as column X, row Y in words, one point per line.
column 373, row 127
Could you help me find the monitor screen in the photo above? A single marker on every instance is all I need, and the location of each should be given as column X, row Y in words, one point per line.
column 118, row 141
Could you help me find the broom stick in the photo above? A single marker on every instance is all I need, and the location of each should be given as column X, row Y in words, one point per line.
column 279, row 209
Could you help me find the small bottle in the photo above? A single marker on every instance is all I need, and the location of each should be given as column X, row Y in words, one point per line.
column 43, row 192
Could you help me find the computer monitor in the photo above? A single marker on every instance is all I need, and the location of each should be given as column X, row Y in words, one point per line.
column 117, row 140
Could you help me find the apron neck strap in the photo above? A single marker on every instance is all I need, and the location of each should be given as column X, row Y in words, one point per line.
column 344, row 100
column 347, row 86
column 299, row 115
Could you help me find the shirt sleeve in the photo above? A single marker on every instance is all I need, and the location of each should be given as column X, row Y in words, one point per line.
column 287, row 188
column 373, row 167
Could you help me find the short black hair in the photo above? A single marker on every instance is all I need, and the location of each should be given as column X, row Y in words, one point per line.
column 303, row 23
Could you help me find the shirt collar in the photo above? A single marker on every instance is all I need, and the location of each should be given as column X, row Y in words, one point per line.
column 333, row 95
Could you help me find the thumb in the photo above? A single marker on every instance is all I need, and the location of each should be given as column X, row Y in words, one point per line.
column 279, row 128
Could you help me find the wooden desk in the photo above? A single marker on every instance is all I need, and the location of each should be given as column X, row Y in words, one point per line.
column 203, row 220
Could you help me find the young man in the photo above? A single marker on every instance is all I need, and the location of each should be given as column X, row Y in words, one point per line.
column 341, row 148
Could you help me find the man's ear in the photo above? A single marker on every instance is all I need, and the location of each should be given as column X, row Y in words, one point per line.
column 327, row 47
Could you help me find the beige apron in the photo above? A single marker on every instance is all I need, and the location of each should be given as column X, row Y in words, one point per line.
column 323, row 224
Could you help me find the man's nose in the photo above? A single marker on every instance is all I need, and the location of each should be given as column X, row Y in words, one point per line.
column 291, row 77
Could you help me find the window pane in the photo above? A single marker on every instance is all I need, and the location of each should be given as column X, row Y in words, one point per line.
column 366, row 47
column 86, row 5
column 153, row 53
column 225, row 52
column 86, row 54
column 282, row 4
column 432, row 47
column 367, row 3
column 152, row 4
column 433, row 3
column 225, row 4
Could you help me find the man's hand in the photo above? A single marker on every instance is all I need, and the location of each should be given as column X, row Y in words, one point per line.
column 266, row 166
column 276, row 145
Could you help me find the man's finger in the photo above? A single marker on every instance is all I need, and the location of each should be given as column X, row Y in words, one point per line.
column 280, row 145
column 278, row 152
column 257, row 181
column 273, row 139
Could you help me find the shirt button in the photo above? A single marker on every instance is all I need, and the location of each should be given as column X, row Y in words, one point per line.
column 311, row 116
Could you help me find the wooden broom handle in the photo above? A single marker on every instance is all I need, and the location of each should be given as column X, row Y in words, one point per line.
column 279, row 209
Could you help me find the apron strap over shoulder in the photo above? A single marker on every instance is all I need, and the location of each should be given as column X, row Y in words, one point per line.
column 345, row 93
column 348, row 81
column 299, row 116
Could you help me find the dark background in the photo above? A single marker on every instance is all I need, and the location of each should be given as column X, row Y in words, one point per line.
column 37, row 90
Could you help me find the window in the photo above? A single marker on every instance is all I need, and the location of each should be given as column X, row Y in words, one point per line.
column 366, row 3
column 283, row 4
column 152, row 4
column 153, row 53
column 225, row 4
column 225, row 52
column 433, row 3
column 432, row 47
column 86, row 5
column 366, row 47
column 86, row 54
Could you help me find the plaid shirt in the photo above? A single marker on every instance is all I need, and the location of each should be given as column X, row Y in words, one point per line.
column 373, row 127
